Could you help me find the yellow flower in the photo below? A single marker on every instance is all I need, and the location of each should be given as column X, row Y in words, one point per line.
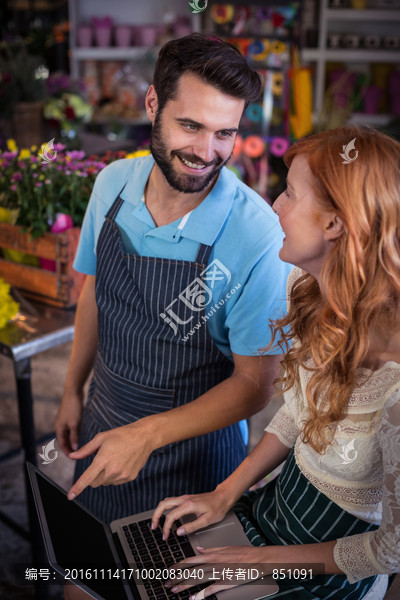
column 24, row 153
column 8, row 307
column 33, row 148
column 11, row 145
column 138, row 153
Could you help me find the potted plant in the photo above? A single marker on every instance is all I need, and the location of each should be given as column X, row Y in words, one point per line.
column 42, row 192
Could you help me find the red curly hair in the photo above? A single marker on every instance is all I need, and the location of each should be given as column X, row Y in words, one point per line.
column 360, row 278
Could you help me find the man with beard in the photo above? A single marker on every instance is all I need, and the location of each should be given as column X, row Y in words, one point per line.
column 182, row 276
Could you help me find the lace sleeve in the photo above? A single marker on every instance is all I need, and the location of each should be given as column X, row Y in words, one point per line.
column 284, row 427
column 378, row 551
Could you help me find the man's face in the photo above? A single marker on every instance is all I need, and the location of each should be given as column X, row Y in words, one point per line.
column 193, row 137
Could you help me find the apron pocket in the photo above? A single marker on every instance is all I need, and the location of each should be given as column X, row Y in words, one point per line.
column 119, row 401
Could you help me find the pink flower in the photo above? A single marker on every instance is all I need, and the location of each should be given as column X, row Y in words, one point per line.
column 39, row 184
column 76, row 154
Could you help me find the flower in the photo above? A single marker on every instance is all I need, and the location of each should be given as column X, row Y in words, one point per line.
column 37, row 191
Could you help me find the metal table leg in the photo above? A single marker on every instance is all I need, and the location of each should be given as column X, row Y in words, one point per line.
column 22, row 370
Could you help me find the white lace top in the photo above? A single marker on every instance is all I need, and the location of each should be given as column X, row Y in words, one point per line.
column 360, row 470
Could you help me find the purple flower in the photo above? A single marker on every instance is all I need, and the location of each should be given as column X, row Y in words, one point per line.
column 39, row 184
column 58, row 83
column 58, row 147
column 76, row 154
column 14, row 188
column 16, row 177
column 9, row 155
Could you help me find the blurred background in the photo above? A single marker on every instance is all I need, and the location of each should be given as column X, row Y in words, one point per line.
column 73, row 77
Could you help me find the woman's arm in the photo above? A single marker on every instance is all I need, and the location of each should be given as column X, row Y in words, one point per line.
column 212, row 507
column 378, row 551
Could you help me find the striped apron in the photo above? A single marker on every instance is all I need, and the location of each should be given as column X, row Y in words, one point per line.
column 290, row 510
column 144, row 367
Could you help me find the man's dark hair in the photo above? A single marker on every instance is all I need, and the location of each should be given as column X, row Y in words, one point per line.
column 216, row 62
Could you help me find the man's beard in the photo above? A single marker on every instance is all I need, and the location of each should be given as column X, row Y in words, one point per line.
column 181, row 182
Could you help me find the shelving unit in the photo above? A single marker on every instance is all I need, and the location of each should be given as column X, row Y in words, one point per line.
column 78, row 54
column 127, row 13
column 345, row 20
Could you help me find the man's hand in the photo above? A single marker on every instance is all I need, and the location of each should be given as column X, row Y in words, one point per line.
column 68, row 422
column 121, row 454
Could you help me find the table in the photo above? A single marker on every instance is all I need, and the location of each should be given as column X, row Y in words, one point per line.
column 38, row 328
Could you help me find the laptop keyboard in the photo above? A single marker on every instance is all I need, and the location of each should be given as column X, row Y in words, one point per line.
column 150, row 551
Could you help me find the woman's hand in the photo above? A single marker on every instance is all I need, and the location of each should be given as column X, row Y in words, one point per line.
column 210, row 507
column 221, row 564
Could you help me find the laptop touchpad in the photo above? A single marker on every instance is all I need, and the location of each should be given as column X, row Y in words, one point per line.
column 220, row 535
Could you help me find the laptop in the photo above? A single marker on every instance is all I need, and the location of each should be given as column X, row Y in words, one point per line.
column 126, row 559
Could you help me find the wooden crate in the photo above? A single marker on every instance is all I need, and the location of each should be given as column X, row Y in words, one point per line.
column 59, row 288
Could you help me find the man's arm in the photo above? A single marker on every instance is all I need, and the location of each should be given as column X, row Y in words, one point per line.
column 81, row 362
column 122, row 452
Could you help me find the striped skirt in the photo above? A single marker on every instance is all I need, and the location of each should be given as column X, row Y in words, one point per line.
column 290, row 510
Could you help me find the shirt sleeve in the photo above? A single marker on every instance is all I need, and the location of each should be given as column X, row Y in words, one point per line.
column 106, row 188
column 85, row 258
column 370, row 553
column 262, row 297
column 284, row 427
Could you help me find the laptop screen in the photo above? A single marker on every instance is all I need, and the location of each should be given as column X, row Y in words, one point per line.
column 77, row 538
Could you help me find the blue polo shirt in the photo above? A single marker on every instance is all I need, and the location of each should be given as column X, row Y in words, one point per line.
column 245, row 280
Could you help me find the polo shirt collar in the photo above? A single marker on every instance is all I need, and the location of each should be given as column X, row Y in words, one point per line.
column 206, row 220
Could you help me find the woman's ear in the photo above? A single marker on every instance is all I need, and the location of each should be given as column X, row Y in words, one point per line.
column 151, row 103
column 334, row 227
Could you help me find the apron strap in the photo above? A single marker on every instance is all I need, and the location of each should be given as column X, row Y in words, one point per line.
column 113, row 211
column 203, row 254
column 204, row 251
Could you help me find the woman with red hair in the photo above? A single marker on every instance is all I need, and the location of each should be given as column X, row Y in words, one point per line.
column 336, row 504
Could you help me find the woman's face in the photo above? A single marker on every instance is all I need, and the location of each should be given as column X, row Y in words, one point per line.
column 306, row 226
